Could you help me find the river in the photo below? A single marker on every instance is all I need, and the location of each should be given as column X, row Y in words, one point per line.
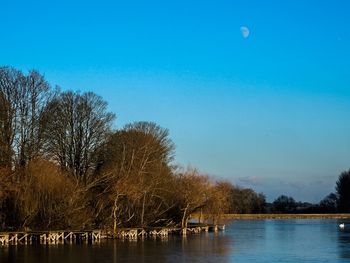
column 316, row 240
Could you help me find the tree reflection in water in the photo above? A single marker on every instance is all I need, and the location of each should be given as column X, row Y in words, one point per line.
column 243, row 241
column 193, row 248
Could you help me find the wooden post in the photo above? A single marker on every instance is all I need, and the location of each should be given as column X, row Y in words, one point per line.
column 142, row 233
column 13, row 239
column 43, row 238
column 4, row 239
column 215, row 228
column 96, row 236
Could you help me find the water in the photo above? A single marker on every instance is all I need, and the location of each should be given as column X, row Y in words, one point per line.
column 243, row 241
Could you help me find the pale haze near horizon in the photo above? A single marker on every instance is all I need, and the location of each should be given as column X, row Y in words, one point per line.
column 266, row 108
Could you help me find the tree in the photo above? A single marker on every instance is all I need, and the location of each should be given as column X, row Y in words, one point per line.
column 137, row 159
column 246, row 201
column 251, row 202
column 23, row 99
column 9, row 87
column 192, row 193
column 329, row 203
column 284, row 204
column 78, row 125
column 343, row 191
column 33, row 98
column 219, row 200
column 6, row 131
column 50, row 199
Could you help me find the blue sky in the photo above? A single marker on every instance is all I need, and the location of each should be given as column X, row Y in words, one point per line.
column 270, row 111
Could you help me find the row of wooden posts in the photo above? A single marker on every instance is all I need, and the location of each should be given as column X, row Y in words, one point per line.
column 49, row 237
column 134, row 233
column 92, row 236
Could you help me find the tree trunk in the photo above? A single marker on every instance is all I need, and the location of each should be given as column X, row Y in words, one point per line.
column 115, row 217
column 143, row 208
column 184, row 217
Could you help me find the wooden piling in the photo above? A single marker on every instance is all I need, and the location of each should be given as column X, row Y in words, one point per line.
column 54, row 237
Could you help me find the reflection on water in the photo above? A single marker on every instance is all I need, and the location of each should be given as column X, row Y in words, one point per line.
column 193, row 248
column 243, row 241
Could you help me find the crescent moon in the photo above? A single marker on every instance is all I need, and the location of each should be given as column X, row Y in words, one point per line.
column 245, row 31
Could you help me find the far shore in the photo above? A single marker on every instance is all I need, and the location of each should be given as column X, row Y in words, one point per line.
column 273, row 216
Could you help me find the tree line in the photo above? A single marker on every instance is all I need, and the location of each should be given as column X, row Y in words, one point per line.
column 62, row 165
column 338, row 202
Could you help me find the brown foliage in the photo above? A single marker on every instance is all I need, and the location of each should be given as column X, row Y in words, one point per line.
column 192, row 193
column 137, row 159
column 61, row 166
column 50, row 199
column 219, row 200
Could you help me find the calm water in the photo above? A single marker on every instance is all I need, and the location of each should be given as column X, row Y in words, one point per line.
column 243, row 241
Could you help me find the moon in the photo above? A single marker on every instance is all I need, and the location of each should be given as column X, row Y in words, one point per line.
column 245, row 31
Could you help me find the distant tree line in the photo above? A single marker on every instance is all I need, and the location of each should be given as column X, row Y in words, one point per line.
column 338, row 202
column 62, row 165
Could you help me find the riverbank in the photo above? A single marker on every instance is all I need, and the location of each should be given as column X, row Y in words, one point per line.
column 274, row 216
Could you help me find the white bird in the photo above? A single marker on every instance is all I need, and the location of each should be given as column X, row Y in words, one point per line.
column 342, row 225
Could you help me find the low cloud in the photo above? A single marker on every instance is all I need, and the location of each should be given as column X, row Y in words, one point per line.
column 251, row 180
column 296, row 185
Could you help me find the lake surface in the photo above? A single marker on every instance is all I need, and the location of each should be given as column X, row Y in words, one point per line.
column 242, row 241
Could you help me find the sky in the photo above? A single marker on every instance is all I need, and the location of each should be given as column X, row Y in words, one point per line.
column 254, row 92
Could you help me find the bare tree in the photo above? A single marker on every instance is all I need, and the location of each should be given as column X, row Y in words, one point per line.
column 22, row 103
column 138, row 158
column 192, row 193
column 33, row 98
column 219, row 200
column 9, row 86
column 78, row 125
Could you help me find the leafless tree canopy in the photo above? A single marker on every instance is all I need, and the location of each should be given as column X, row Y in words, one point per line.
column 62, row 165
column 23, row 101
column 138, row 159
column 77, row 125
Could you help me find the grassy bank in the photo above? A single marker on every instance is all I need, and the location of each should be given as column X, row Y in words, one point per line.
column 276, row 216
